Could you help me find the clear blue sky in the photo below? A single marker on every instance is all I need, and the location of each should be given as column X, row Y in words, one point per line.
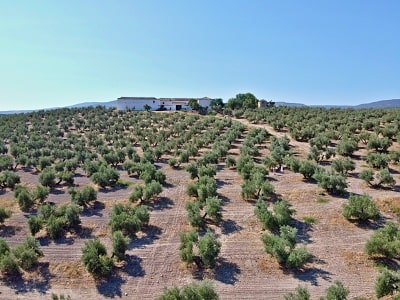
column 58, row 53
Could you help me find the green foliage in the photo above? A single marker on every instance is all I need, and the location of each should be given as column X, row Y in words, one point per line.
column 128, row 219
column 6, row 162
column 193, row 209
column 298, row 257
column 330, row 181
column 280, row 215
column 24, row 198
column 308, row 169
column 337, row 291
column 55, row 226
column 301, row 293
column 204, row 188
column 378, row 144
column 120, row 245
column 380, row 179
column 256, row 186
column 9, row 179
column 209, row 248
column 282, row 247
column 187, row 240
column 147, row 192
column 40, row 193
column 192, row 169
column 28, row 253
column 4, row 214
column 95, row 259
column 387, row 283
column 35, row 224
column 246, row 100
column 343, row 165
column 230, row 162
column 83, row 197
column 105, row 176
column 360, row 207
column 346, row 147
column 48, row 177
column 385, row 242
column 8, row 264
column 378, row 160
column 194, row 291
column 56, row 221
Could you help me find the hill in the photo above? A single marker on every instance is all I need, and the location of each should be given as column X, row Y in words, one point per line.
column 381, row 104
column 393, row 103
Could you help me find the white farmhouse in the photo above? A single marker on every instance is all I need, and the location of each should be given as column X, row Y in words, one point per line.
column 139, row 103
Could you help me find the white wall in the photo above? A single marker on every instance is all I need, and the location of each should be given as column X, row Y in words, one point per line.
column 138, row 103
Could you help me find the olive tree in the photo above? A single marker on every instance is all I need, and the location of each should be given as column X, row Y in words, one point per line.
column 95, row 259
column 361, row 208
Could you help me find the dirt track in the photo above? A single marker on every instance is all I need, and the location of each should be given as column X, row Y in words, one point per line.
column 244, row 271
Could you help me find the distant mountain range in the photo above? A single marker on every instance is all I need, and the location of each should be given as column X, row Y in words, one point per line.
column 393, row 103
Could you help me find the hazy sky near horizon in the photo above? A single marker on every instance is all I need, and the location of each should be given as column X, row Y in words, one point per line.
column 59, row 53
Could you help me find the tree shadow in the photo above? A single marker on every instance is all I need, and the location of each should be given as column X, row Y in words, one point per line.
column 57, row 191
column 93, row 210
column 150, row 234
column 161, row 203
column 391, row 264
column 224, row 199
column 220, row 183
column 230, row 226
column 369, row 224
column 84, row 232
column 311, row 275
column 113, row 188
column 40, row 284
column 7, row 231
column 64, row 240
column 226, row 272
column 111, row 286
column 303, row 230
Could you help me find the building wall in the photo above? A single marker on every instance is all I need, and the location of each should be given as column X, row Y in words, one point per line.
column 137, row 103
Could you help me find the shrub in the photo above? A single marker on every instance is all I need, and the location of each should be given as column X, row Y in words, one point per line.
column 9, row 179
column 24, row 198
column 193, row 291
column 280, row 215
column 307, row 169
column 377, row 180
column 384, row 242
column 35, row 224
column 301, row 293
column 209, row 248
column 128, row 219
column 120, row 245
column 387, row 283
column 336, row 292
column 282, row 247
column 83, row 197
column 28, row 253
column 95, row 259
column 343, row 165
column 331, row 182
column 360, row 207
column 4, row 214
column 48, row 177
